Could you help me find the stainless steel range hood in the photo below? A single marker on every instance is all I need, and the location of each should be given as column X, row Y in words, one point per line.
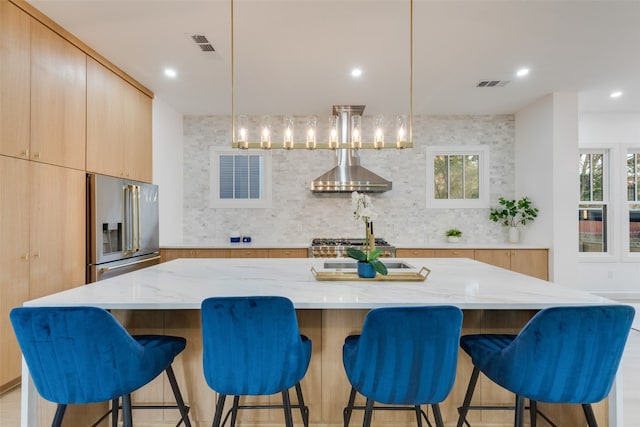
column 348, row 176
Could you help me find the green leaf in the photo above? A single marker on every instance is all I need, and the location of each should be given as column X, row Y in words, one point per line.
column 356, row 254
column 379, row 266
column 374, row 254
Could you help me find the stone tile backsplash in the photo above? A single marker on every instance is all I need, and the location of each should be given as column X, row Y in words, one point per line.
column 297, row 215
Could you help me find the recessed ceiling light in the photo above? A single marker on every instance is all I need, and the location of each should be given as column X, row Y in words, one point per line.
column 170, row 72
column 356, row 72
column 522, row 72
column 616, row 94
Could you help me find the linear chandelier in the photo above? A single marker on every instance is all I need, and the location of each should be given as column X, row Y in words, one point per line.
column 284, row 131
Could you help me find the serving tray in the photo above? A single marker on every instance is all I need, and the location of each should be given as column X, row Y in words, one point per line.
column 392, row 276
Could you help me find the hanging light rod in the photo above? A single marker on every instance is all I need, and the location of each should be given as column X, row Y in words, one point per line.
column 250, row 132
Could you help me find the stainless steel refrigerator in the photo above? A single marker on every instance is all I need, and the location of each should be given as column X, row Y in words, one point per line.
column 122, row 226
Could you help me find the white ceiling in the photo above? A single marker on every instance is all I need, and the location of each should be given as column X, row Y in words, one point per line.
column 294, row 56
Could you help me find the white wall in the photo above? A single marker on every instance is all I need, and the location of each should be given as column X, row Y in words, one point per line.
column 546, row 144
column 167, row 169
column 614, row 275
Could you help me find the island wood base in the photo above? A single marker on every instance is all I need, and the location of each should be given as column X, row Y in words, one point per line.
column 325, row 386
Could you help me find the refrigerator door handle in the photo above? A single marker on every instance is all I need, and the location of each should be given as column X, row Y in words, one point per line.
column 138, row 229
column 129, row 219
column 129, row 264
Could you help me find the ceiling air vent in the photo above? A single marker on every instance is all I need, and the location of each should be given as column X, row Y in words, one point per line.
column 492, row 83
column 202, row 42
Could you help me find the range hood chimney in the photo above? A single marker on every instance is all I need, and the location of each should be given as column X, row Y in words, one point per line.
column 348, row 176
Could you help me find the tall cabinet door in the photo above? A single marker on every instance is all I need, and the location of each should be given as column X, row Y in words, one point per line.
column 14, row 87
column 118, row 126
column 57, row 235
column 14, row 257
column 58, row 99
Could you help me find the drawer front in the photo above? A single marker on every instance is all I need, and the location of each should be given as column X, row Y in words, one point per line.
column 288, row 253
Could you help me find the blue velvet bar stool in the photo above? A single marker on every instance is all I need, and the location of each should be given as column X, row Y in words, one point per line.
column 564, row 355
column 252, row 347
column 78, row 355
column 403, row 356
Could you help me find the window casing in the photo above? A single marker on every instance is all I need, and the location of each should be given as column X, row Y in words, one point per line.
column 633, row 199
column 240, row 179
column 593, row 223
column 458, row 177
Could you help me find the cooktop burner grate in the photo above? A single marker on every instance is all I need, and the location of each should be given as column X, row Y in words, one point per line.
column 337, row 247
column 345, row 242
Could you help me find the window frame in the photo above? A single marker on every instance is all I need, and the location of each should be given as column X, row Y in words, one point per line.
column 608, row 197
column 625, row 223
column 483, row 153
column 215, row 153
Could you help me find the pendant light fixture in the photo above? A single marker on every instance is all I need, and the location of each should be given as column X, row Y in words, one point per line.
column 256, row 132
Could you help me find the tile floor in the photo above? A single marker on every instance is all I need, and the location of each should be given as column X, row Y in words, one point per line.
column 10, row 401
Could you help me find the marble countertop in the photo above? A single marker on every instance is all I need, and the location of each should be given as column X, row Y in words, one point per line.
column 305, row 245
column 229, row 245
column 184, row 283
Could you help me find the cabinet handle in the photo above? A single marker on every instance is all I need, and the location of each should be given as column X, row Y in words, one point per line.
column 25, row 257
column 36, row 155
column 25, row 152
column 36, row 255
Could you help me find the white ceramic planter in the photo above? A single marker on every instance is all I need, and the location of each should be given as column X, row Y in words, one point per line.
column 514, row 235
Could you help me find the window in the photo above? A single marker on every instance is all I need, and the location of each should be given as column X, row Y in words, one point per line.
column 633, row 199
column 458, row 178
column 592, row 211
column 240, row 179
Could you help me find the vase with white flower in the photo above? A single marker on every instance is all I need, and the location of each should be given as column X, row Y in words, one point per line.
column 368, row 262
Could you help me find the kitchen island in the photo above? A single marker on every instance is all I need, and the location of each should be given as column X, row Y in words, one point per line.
column 166, row 299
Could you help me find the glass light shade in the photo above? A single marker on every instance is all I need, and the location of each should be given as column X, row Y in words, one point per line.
column 288, row 132
column 242, row 131
column 265, row 132
column 378, row 132
column 333, row 132
column 311, row 132
column 402, row 130
column 356, row 131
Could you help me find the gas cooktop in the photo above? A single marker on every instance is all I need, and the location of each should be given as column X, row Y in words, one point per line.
column 345, row 242
column 337, row 247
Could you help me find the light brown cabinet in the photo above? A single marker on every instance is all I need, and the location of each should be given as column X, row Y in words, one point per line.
column 498, row 257
column 288, row 253
column 168, row 254
column 57, row 229
column 42, row 249
column 14, row 259
column 454, row 253
column 415, row 253
column 118, row 126
column 174, row 253
column 43, row 155
column 532, row 262
column 15, row 41
column 248, row 253
column 58, row 99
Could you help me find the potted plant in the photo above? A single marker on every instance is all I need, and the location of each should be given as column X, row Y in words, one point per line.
column 511, row 213
column 453, row 235
column 368, row 262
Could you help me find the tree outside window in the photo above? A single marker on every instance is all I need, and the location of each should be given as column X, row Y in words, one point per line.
column 457, row 177
column 592, row 211
column 633, row 199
